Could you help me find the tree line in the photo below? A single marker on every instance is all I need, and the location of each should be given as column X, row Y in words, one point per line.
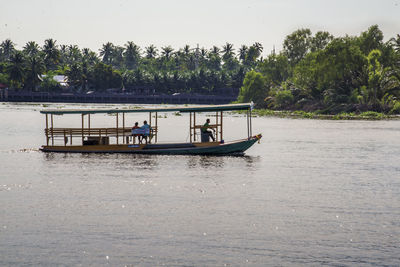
column 128, row 67
column 328, row 74
column 313, row 72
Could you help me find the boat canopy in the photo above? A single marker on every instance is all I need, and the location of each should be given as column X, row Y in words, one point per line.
column 182, row 109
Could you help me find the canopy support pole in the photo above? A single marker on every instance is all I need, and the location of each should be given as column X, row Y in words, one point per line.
column 47, row 129
column 52, row 136
column 248, row 125
column 251, row 127
column 221, row 126
column 89, row 123
column 117, row 130
column 150, row 126
column 156, row 132
column 194, row 126
column 216, row 125
column 123, row 128
column 82, row 126
column 190, row 126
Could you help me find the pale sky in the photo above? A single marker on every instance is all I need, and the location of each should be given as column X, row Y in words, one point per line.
column 91, row 23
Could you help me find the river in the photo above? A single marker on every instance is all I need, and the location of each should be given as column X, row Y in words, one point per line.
column 313, row 192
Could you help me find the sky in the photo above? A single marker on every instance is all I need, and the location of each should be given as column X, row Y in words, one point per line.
column 91, row 23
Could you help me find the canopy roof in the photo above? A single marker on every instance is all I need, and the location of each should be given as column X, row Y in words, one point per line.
column 242, row 106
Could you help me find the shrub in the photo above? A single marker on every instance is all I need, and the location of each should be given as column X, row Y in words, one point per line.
column 372, row 115
column 396, row 108
column 283, row 98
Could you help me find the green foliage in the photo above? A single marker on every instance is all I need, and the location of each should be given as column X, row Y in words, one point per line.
column 104, row 77
column 253, row 89
column 396, row 108
column 264, row 112
column 297, row 44
column 156, row 71
column 335, row 75
column 17, row 70
column 372, row 115
column 282, row 98
column 275, row 68
column 35, row 68
column 371, row 40
column 320, row 41
column 344, row 116
column 4, row 78
column 304, row 114
column 49, row 84
column 331, row 75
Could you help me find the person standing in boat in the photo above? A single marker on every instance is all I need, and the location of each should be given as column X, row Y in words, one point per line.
column 134, row 132
column 205, row 131
column 146, row 129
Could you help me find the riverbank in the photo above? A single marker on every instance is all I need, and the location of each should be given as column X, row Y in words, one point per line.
column 299, row 114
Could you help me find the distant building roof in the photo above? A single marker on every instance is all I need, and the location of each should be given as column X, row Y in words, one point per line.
column 2, row 85
column 61, row 79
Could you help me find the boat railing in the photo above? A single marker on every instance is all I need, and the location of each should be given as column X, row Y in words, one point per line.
column 213, row 126
column 89, row 133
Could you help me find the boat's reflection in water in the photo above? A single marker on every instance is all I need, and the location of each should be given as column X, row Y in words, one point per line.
column 220, row 161
column 133, row 162
column 115, row 161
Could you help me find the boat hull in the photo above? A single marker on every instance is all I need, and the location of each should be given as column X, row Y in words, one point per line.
column 211, row 148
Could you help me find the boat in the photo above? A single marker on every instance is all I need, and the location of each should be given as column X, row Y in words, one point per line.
column 119, row 139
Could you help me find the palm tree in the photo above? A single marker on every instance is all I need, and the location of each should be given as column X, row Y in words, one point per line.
column 186, row 50
column 227, row 49
column 8, row 48
column 390, row 83
column 107, row 52
column 52, row 54
column 73, row 54
column 167, row 52
column 35, row 68
column 242, row 52
column 75, row 75
column 17, row 69
column 31, row 48
column 89, row 56
column 203, row 52
column 63, row 55
column 215, row 50
column 131, row 55
column 396, row 43
column 151, row 51
column 118, row 56
column 258, row 47
column 85, row 52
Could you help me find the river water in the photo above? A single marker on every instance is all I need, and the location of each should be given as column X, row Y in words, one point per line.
column 313, row 193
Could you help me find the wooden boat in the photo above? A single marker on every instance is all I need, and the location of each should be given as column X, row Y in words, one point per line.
column 97, row 140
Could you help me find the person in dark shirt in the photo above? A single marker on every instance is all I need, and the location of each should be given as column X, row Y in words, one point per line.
column 205, row 131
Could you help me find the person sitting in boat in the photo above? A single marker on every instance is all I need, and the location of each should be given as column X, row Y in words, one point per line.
column 146, row 132
column 136, row 132
column 206, row 132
